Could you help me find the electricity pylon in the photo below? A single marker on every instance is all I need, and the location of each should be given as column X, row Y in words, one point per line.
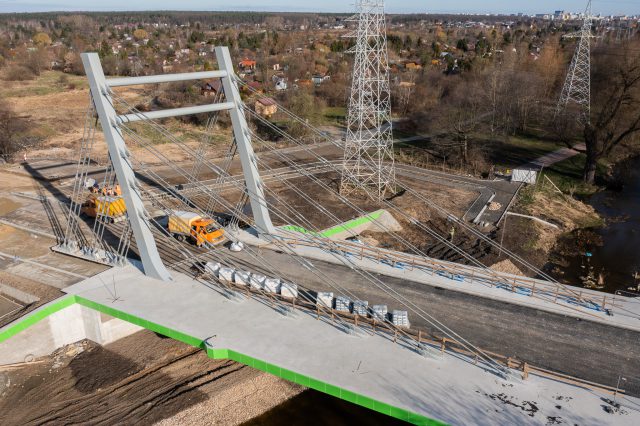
column 368, row 154
column 577, row 86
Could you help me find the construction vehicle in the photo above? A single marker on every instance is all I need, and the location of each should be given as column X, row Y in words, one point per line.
column 104, row 203
column 105, row 207
column 191, row 226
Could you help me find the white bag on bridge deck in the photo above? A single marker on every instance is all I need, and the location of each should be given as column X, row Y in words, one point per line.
column 289, row 290
column 212, row 268
column 325, row 299
column 242, row 277
column 343, row 304
column 360, row 307
column 379, row 312
column 272, row 285
column 257, row 281
column 400, row 318
column 226, row 274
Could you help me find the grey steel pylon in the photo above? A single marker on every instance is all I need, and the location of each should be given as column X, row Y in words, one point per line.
column 368, row 155
column 577, row 86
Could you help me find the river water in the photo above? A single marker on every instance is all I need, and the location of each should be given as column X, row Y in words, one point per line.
column 613, row 250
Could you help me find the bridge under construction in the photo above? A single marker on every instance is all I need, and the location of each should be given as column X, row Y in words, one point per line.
column 298, row 289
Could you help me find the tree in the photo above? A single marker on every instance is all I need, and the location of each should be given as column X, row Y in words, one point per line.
column 42, row 39
column 140, row 34
column 616, row 110
column 11, row 128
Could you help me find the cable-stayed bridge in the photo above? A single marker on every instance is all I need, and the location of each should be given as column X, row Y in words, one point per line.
column 292, row 301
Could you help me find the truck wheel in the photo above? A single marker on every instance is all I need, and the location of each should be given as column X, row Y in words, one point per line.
column 180, row 238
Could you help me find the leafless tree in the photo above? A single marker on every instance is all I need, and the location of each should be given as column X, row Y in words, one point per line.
column 11, row 130
column 616, row 106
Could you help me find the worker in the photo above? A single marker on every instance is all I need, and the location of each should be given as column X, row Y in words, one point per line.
column 452, row 233
column 118, row 190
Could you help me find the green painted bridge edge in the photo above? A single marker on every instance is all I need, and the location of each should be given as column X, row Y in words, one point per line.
column 351, row 224
column 217, row 353
column 35, row 317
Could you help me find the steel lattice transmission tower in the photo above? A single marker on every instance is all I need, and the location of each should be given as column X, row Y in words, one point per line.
column 577, row 86
column 368, row 155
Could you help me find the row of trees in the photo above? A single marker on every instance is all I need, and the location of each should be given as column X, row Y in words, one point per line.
column 517, row 94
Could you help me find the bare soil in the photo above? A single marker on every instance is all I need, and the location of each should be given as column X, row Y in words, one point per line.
column 141, row 379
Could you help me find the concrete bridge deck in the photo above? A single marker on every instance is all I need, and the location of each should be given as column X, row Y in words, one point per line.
column 368, row 370
column 583, row 343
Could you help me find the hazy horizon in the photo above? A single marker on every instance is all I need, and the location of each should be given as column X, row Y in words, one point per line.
column 628, row 7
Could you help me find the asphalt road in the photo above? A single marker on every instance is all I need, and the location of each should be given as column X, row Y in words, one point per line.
column 580, row 348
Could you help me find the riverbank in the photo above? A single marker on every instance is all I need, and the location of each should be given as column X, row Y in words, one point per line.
column 597, row 226
column 608, row 253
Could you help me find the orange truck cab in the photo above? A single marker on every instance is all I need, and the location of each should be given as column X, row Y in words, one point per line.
column 200, row 230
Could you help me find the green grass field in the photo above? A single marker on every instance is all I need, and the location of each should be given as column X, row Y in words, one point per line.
column 46, row 83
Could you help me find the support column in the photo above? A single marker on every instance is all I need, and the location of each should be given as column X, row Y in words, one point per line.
column 255, row 186
column 136, row 213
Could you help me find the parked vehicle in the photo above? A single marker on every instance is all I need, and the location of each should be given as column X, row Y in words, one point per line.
column 191, row 226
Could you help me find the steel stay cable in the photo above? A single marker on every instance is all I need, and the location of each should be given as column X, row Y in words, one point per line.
column 412, row 220
column 257, row 258
column 320, row 133
column 491, row 272
column 86, row 148
column 441, row 326
column 438, row 325
column 390, row 232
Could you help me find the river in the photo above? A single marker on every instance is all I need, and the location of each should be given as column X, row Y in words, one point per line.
column 614, row 249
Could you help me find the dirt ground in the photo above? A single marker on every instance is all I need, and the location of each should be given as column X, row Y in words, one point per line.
column 56, row 115
column 456, row 201
column 142, row 379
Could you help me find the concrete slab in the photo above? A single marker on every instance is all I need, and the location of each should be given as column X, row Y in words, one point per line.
column 369, row 370
column 625, row 313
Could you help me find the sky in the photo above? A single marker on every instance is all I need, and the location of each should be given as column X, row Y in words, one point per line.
column 605, row 7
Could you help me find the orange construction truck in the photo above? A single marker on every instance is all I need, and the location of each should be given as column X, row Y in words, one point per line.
column 185, row 225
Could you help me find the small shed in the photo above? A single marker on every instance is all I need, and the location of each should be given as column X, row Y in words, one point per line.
column 524, row 175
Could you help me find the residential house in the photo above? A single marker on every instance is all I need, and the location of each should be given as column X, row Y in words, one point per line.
column 211, row 87
column 253, row 86
column 281, row 84
column 318, row 79
column 247, row 66
column 412, row 65
column 266, row 107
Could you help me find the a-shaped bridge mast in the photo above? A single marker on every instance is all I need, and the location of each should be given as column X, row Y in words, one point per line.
column 111, row 121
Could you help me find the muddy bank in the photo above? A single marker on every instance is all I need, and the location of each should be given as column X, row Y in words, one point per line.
column 143, row 379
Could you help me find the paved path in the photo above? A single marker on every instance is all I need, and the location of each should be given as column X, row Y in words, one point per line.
column 555, row 157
